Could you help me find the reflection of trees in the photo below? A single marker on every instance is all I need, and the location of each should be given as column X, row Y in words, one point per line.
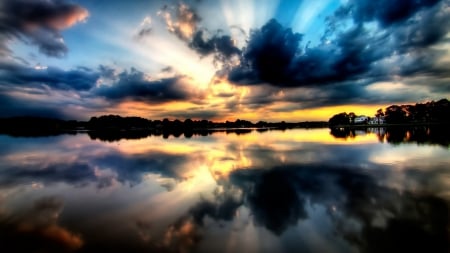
column 117, row 135
column 396, row 135
column 112, row 136
column 419, row 135
column 342, row 132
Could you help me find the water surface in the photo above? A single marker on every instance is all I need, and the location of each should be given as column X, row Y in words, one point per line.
column 273, row 191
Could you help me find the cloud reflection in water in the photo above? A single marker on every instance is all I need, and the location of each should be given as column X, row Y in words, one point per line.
column 271, row 191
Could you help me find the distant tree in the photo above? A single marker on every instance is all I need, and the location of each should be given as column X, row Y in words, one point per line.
column 261, row 124
column 339, row 119
column 203, row 124
column 352, row 117
column 379, row 113
column 441, row 111
column 188, row 124
column 166, row 123
column 420, row 113
column 395, row 114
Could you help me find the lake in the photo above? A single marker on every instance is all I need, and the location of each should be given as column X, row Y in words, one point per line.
column 373, row 190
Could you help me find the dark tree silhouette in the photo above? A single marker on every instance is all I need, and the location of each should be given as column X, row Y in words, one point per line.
column 395, row 114
column 430, row 112
column 339, row 119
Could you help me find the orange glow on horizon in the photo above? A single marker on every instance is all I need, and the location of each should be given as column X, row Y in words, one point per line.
column 165, row 110
column 314, row 114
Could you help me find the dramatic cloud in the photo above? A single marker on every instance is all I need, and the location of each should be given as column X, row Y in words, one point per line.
column 273, row 55
column 39, row 22
column 268, row 55
column 222, row 46
column 184, row 22
column 21, row 75
column 276, row 56
column 135, row 85
column 25, row 90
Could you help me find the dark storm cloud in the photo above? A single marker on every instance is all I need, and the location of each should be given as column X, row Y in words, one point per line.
column 17, row 81
column 275, row 54
column 134, row 84
column 357, row 92
column 222, row 45
column 39, row 22
column 21, row 75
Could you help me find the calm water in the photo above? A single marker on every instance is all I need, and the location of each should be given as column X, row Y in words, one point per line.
column 274, row 191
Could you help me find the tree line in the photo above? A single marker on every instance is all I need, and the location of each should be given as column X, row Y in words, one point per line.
column 419, row 113
column 108, row 126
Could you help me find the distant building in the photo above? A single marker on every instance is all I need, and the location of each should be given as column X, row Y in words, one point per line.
column 377, row 120
column 361, row 119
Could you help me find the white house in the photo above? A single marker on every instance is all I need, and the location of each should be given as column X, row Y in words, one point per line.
column 377, row 121
column 361, row 119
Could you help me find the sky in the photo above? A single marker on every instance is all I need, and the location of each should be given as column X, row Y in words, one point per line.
column 221, row 59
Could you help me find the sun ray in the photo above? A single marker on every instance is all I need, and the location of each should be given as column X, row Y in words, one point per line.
column 163, row 51
column 266, row 11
